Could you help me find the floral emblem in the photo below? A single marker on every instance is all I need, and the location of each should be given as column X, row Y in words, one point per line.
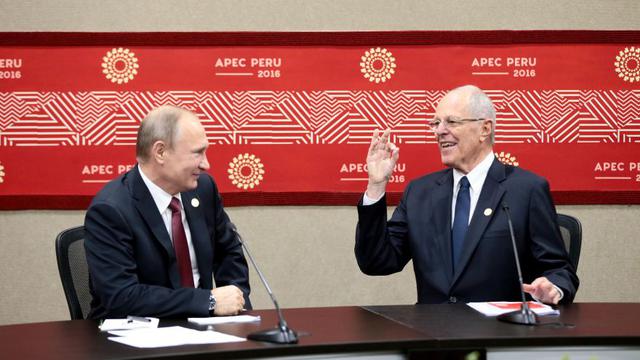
column 507, row 158
column 628, row 64
column 120, row 65
column 246, row 171
column 377, row 65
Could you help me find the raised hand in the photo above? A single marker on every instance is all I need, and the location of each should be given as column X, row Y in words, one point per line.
column 381, row 159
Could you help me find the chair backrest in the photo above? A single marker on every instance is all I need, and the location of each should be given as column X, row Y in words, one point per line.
column 74, row 272
column 571, row 231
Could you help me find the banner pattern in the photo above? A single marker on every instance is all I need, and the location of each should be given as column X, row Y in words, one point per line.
column 314, row 117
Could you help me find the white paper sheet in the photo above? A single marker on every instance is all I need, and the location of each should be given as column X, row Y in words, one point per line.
column 224, row 319
column 128, row 324
column 170, row 336
column 495, row 308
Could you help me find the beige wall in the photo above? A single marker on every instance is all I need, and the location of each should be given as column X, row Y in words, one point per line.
column 300, row 15
column 309, row 258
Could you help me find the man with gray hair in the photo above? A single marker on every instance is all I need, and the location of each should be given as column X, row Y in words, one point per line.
column 452, row 223
column 157, row 236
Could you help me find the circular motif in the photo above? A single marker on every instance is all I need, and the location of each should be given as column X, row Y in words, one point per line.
column 1, row 174
column 628, row 64
column 378, row 65
column 120, row 65
column 245, row 171
column 507, row 158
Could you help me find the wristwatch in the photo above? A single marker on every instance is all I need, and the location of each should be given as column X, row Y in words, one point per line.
column 212, row 303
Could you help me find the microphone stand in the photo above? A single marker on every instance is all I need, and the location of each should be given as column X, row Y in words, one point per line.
column 524, row 316
column 281, row 334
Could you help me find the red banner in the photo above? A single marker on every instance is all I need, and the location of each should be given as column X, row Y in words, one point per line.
column 291, row 124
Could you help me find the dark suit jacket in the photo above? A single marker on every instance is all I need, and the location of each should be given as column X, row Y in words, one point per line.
column 420, row 230
column 131, row 260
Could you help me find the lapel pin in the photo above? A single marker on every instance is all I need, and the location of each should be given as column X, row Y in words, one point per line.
column 195, row 202
column 487, row 211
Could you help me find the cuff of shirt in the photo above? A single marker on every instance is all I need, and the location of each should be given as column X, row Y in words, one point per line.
column 369, row 201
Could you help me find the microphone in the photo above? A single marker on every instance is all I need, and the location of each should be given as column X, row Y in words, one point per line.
column 281, row 334
column 524, row 316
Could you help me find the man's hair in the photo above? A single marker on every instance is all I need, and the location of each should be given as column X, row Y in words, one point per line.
column 161, row 124
column 480, row 106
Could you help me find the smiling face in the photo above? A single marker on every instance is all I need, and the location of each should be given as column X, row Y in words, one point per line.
column 464, row 146
column 182, row 164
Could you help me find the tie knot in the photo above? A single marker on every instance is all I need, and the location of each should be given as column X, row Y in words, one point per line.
column 174, row 205
column 464, row 183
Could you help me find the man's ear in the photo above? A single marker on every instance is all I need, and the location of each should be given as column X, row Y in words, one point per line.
column 159, row 151
column 487, row 128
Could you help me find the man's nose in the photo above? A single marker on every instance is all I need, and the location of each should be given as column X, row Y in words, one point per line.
column 204, row 164
column 441, row 129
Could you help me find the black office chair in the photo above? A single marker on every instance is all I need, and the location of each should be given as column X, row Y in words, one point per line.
column 571, row 231
column 74, row 272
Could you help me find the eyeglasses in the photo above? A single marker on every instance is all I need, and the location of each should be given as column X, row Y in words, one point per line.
column 450, row 122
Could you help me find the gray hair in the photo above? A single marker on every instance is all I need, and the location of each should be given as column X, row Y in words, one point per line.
column 480, row 106
column 161, row 124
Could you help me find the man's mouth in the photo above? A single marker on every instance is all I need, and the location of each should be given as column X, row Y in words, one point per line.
column 447, row 144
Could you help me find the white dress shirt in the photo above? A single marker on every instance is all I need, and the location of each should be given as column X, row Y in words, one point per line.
column 162, row 200
column 476, row 178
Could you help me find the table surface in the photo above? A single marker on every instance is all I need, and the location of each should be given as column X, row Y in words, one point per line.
column 578, row 324
column 322, row 330
column 344, row 329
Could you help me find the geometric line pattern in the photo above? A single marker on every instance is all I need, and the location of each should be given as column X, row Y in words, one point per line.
column 313, row 117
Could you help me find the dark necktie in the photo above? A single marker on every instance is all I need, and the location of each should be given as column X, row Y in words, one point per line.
column 180, row 244
column 461, row 221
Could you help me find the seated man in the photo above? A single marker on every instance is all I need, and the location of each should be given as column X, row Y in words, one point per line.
column 157, row 236
column 452, row 222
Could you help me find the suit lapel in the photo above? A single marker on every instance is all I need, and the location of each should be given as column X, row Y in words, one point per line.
column 199, row 237
column 490, row 197
column 149, row 212
column 442, row 220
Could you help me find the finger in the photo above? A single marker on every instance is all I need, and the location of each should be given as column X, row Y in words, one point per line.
column 385, row 136
column 530, row 289
column 553, row 296
column 539, row 281
column 537, row 284
column 395, row 152
column 550, row 293
column 374, row 140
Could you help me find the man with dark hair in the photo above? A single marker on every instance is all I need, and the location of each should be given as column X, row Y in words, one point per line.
column 452, row 224
column 157, row 236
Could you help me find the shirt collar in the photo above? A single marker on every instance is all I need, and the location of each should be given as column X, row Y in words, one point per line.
column 477, row 175
column 160, row 197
